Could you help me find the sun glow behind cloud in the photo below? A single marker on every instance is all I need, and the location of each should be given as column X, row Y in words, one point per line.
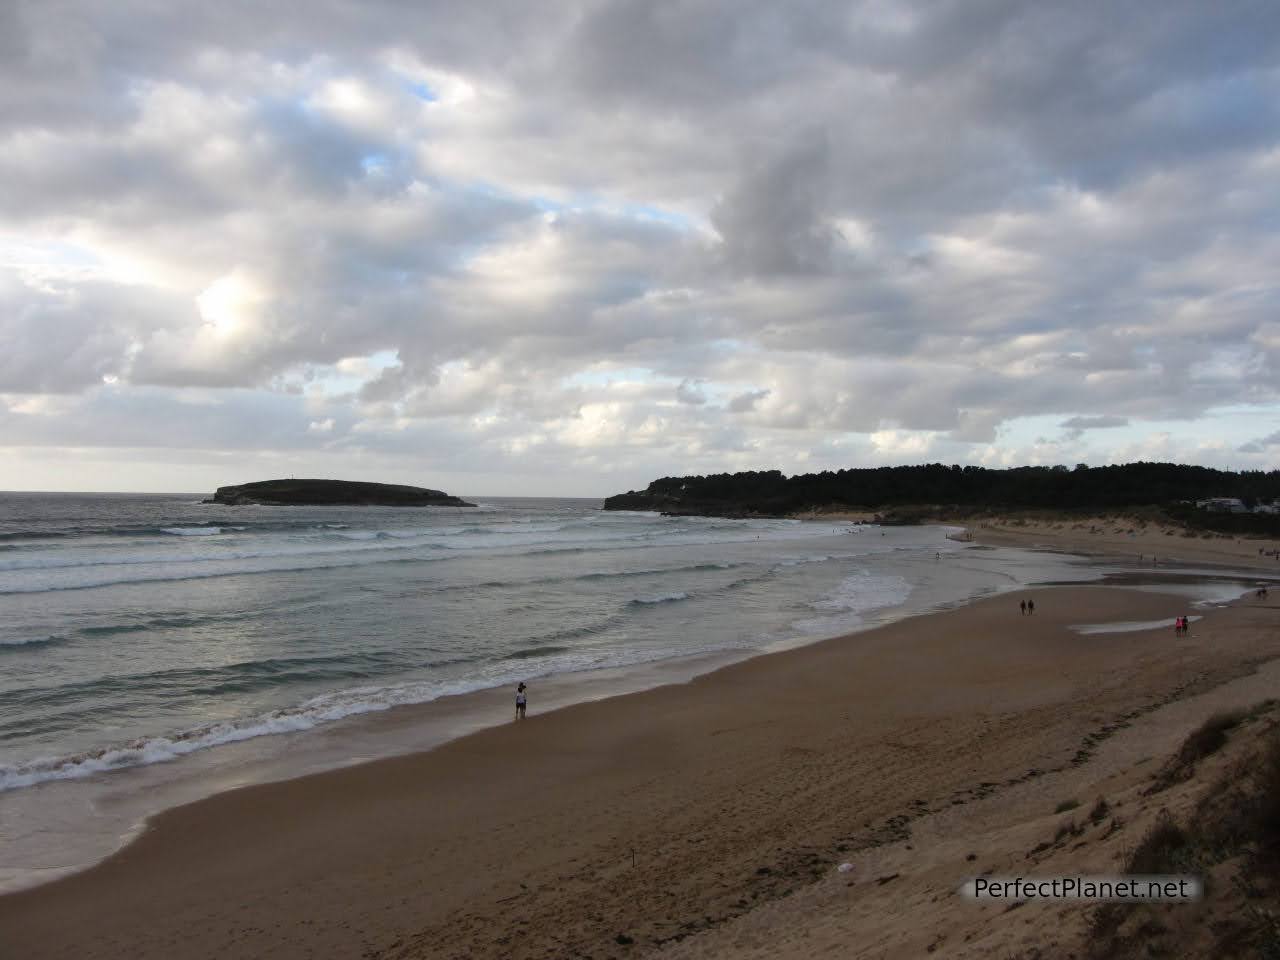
column 229, row 305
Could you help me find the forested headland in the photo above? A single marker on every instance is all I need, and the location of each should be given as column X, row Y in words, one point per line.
column 912, row 493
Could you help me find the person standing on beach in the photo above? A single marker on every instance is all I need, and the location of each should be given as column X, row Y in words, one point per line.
column 1031, row 606
column 1022, row 605
column 522, row 701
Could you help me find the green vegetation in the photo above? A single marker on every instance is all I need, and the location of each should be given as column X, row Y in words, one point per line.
column 920, row 492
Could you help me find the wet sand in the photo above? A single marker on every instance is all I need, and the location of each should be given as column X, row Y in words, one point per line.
column 617, row 827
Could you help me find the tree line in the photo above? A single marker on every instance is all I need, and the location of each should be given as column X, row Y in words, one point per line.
column 770, row 492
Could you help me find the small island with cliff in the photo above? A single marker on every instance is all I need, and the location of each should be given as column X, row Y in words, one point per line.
column 332, row 493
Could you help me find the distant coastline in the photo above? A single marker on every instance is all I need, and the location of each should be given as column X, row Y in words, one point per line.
column 1189, row 497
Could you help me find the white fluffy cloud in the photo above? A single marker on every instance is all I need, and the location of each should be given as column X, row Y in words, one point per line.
column 571, row 252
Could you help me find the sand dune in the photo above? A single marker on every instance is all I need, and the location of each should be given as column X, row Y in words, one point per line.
column 1146, row 544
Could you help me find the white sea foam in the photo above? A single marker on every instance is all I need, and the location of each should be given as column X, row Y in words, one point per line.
column 662, row 598
column 856, row 595
column 27, row 641
column 194, row 531
column 800, row 561
column 318, row 710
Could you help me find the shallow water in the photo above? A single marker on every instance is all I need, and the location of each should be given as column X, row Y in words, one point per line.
column 134, row 630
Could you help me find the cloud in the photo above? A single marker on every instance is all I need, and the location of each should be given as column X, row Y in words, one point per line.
column 746, row 402
column 690, row 392
column 1076, row 426
column 845, row 232
column 1262, row 444
column 774, row 220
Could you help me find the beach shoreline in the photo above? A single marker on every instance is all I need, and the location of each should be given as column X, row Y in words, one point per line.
column 61, row 826
column 552, row 808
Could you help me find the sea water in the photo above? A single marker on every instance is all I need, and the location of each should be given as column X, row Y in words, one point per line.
column 140, row 632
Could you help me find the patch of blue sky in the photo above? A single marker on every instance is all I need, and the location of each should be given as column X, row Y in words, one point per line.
column 580, row 203
column 421, row 91
column 492, row 192
column 1231, row 426
column 334, row 380
column 375, row 163
column 588, row 203
column 720, row 392
column 24, row 252
column 716, row 393
column 1048, row 428
column 670, row 218
column 485, row 188
column 1237, row 425
column 604, row 377
column 384, row 358
column 548, row 204
column 644, row 212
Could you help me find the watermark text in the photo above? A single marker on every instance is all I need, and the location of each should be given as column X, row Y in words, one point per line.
column 1137, row 888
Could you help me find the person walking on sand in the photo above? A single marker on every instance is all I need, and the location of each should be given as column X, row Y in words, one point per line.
column 522, row 701
column 1022, row 605
column 1031, row 607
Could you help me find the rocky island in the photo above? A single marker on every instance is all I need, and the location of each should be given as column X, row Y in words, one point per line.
column 333, row 493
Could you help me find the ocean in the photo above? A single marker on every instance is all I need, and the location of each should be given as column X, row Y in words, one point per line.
column 148, row 638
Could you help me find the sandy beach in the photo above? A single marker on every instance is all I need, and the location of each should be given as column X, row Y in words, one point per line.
column 851, row 430
column 1146, row 543
column 660, row 821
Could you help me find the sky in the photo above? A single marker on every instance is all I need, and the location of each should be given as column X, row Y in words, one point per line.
column 564, row 249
